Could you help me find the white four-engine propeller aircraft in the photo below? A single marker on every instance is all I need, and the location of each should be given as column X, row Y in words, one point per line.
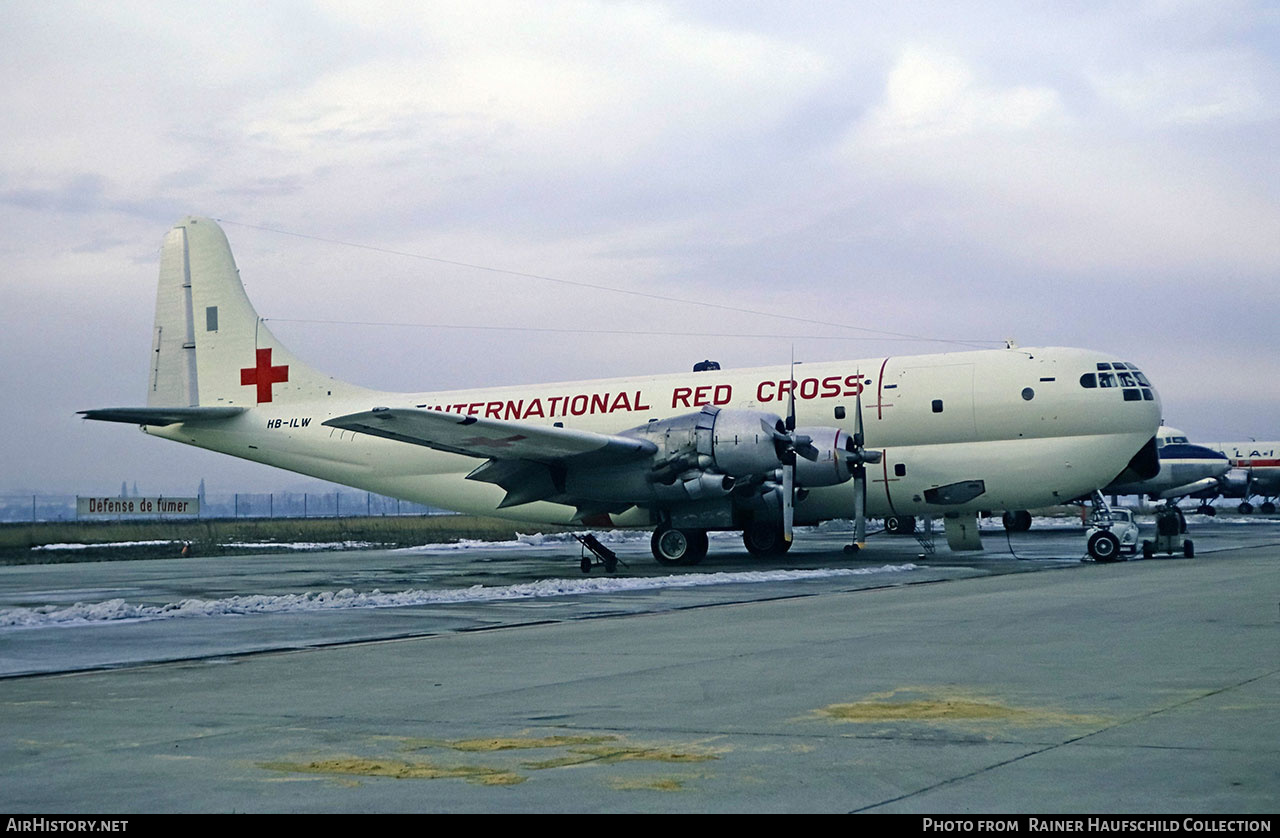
column 755, row 450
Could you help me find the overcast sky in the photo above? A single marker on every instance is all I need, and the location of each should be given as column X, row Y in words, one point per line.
column 1086, row 174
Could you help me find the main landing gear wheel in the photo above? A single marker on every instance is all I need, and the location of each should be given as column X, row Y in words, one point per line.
column 1018, row 520
column 764, row 540
column 1104, row 547
column 1245, row 508
column 673, row 546
column 1206, row 509
column 1267, row 508
column 900, row 525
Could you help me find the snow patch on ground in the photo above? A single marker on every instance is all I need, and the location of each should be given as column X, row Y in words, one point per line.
column 118, row 610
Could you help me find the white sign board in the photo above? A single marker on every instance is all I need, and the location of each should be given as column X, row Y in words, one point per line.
column 147, row 507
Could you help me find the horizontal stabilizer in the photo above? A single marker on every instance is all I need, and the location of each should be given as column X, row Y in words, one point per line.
column 161, row 415
column 492, row 438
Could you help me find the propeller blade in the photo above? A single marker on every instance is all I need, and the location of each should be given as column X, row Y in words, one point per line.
column 858, row 437
column 791, row 393
column 788, row 501
column 803, row 445
column 860, row 505
column 860, row 456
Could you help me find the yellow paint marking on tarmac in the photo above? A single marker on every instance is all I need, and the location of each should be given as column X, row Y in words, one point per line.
column 947, row 705
column 400, row 770
column 647, row 784
column 523, row 743
column 602, row 749
column 613, row 754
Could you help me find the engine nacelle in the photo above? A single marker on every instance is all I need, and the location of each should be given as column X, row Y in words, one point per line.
column 704, row 456
column 831, row 468
column 726, row 442
column 742, row 446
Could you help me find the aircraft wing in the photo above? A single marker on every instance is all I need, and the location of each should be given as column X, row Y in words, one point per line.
column 491, row 438
column 525, row 460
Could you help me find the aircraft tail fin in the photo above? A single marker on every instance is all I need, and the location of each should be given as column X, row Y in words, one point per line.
column 209, row 346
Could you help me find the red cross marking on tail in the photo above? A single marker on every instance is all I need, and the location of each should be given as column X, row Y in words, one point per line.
column 264, row 375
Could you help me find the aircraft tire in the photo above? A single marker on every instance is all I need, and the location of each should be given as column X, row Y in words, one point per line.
column 1267, row 508
column 765, row 540
column 900, row 525
column 1245, row 508
column 1104, row 547
column 673, row 546
column 1016, row 520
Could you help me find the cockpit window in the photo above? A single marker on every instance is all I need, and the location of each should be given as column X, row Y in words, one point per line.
column 1106, row 379
column 1089, row 381
column 1142, row 379
column 1126, row 379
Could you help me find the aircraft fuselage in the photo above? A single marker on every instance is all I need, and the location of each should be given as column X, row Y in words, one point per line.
column 1017, row 420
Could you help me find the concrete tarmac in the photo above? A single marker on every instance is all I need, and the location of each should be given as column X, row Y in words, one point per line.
column 1141, row 687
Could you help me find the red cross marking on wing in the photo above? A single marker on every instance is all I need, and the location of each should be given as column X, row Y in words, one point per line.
column 264, row 375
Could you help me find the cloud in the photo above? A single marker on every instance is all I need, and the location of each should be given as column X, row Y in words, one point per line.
column 932, row 96
column 944, row 170
column 1019, row 175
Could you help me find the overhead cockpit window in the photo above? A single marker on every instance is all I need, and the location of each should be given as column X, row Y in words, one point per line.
column 1102, row 365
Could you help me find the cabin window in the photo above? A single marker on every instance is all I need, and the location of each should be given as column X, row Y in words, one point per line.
column 899, row 470
column 840, row 411
column 937, row 405
column 1028, row 393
